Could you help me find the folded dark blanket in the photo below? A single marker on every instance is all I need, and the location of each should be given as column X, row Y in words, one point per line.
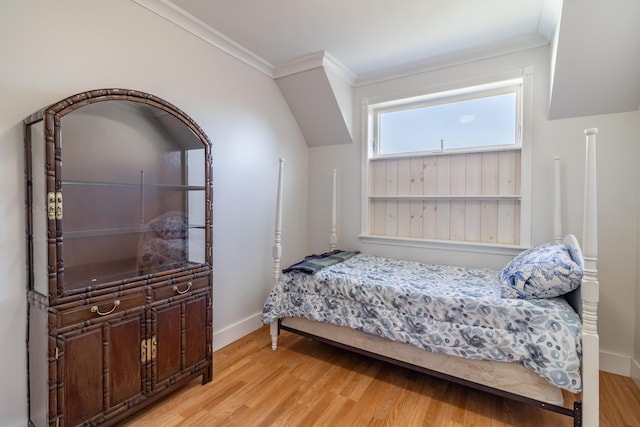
column 312, row 263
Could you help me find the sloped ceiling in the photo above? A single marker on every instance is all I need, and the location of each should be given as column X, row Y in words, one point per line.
column 315, row 106
column 597, row 59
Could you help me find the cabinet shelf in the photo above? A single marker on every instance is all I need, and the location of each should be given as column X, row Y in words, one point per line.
column 446, row 197
column 78, row 234
column 136, row 185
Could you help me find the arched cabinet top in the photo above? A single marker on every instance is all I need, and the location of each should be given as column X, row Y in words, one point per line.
column 82, row 99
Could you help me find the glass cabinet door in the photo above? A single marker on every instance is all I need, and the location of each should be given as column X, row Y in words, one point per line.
column 119, row 190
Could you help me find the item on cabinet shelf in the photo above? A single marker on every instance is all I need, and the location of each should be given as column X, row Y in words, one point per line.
column 120, row 305
column 165, row 245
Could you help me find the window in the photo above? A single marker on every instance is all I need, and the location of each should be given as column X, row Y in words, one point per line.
column 447, row 166
column 480, row 117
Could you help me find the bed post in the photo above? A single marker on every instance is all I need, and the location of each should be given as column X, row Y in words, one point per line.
column 590, row 290
column 277, row 249
column 557, row 202
column 333, row 237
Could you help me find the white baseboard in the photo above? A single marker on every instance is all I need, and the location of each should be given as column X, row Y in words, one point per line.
column 615, row 363
column 236, row 331
column 635, row 371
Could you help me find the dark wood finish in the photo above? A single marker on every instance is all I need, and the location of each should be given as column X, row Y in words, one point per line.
column 126, row 374
column 83, row 313
column 107, row 337
column 167, row 331
column 81, row 368
column 194, row 339
column 100, row 368
column 308, row 383
column 180, row 326
column 167, row 289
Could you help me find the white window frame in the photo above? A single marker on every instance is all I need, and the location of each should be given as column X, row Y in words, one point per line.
column 491, row 89
column 464, row 90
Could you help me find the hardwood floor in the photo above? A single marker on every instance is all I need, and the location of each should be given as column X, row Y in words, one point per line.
column 306, row 383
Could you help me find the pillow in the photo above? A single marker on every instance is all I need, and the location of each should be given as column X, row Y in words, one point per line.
column 545, row 271
column 170, row 225
column 161, row 254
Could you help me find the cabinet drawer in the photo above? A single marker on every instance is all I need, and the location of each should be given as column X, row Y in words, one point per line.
column 168, row 290
column 99, row 308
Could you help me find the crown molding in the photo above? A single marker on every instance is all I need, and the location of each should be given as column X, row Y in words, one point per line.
column 446, row 61
column 178, row 16
column 298, row 65
column 549, row 18
column 340, row 69
column 315, row 60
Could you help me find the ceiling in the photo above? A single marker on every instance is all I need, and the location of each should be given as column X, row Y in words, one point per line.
column 373, row 40
column 371, row 36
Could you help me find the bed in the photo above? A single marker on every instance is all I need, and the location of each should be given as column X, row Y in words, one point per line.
column 526, row 332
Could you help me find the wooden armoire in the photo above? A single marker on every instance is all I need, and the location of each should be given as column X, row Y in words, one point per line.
column 119, row 248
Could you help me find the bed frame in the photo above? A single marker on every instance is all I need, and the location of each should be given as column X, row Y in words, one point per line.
column 510, row 380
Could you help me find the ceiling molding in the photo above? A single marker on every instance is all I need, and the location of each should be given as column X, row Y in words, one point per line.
column 298, row 65
column 446, row 61
column 549, row 18
column 339, row 68
column 178, row 16
column 315, row 60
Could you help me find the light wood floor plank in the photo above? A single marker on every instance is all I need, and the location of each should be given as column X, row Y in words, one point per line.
column 307, row 383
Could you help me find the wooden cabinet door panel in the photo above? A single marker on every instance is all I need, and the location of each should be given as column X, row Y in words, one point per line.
column 168, row 337
column 125, row 374
column 195, row 330
column 82, row 376
column 179, row 328
column 100, row 368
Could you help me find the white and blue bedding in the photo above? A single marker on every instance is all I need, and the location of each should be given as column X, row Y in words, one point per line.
column 450, row 310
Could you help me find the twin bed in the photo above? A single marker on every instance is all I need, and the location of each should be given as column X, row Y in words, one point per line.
column 526, row 332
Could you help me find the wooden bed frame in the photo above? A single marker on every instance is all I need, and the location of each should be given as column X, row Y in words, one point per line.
column 505, row 379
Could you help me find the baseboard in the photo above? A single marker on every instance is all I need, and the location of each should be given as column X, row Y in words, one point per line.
column 615, row 363
column 236, row 331
column 635, row 371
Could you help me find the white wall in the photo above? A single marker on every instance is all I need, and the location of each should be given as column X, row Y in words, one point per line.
column 51, row 50
column 618, row 189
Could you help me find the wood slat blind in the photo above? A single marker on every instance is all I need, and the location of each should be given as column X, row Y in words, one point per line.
column 472, row 197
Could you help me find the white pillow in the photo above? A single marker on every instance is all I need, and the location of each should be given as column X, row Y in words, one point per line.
column 545, row 271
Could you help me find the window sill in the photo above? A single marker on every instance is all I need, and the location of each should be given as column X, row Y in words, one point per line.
column 449, row 152
column 449, row 245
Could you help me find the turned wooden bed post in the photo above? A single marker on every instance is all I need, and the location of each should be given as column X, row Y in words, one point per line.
column 277, row 248
column 277, row 245
column 590, row 290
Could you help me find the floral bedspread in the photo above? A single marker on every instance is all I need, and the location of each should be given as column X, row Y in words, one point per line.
column 444, row 309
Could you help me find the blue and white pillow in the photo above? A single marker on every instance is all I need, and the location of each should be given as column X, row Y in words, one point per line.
column 545, row 271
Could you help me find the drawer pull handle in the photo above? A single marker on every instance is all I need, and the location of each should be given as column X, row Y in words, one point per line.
column 95, row 309
column 179, row 292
